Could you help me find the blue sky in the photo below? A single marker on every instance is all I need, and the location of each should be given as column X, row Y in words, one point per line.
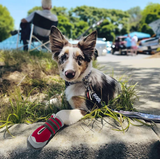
column 18, row 8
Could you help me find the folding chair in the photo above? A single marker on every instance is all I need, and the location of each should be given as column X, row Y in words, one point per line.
column 43, row 23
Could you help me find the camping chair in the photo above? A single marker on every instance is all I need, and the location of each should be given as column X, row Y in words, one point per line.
column 43, row 23
column 43, row 42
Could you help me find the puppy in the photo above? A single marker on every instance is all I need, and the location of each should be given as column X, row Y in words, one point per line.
column 86, row 87
column 83, row 82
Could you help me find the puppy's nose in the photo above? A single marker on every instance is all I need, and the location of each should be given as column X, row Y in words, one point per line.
column 69, row 74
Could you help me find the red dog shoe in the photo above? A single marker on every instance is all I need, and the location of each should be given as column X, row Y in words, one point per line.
column 42, row 135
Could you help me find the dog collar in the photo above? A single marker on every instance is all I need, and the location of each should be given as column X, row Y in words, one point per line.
column 90, row 94
column 84, row 80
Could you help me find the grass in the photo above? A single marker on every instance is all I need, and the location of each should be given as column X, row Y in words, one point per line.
column 28, row 80
column 124, row 101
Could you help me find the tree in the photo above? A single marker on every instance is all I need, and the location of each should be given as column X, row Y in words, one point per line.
column 134, row 19
column 135, row 14
column 79, row 28
column 125, row 29
column 6, row 23
column 146, row 29
column 60, row 11
column 65, row 26
column 77, row 20
column 149, row 14
column 106, row 30
column 114, row 19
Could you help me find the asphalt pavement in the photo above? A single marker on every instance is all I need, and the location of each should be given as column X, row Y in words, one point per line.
column 142, row 69
column 117, row 57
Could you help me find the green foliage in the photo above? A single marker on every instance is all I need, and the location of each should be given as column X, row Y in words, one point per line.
column 6, row 23
column 134, row 19
column 59, row 11
column 83, row 12
column 106, row 30
column 79, row 28
column 124, row 101
column 112, row 19
column 77, row 20
column 149, row 14
column 135, row 14
column 146, row 29
column 65, row 26
column 23, row 97
column 30, row 66
column 22, row 110
column 125, row 30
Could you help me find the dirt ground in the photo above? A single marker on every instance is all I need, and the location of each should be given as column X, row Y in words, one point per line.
column 156, row 55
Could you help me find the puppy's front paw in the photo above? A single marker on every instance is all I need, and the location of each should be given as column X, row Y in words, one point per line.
column 42, row 135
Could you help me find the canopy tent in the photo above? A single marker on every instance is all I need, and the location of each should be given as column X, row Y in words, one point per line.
column 140, row 35
column 11, row 43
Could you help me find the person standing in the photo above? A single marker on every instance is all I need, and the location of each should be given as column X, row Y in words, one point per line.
column 128, row 43
column 134, row 44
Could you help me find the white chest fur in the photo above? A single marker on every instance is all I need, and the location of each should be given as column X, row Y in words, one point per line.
column 75, row 90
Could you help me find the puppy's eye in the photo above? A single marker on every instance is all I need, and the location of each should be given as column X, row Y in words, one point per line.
column 63, row 57
column 79, row 58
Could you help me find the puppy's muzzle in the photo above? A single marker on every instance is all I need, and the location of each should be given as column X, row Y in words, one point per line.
column 70, row 74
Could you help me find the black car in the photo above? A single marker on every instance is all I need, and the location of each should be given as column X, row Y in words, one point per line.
column 119, row 44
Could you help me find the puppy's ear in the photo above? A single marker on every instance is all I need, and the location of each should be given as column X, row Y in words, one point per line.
column 57, row 41
column 87, row 45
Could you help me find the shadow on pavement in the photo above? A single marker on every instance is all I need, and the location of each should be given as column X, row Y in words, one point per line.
column 148, row 84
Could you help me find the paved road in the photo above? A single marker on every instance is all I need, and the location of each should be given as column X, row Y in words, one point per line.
column 141, row 69
column 118, row 57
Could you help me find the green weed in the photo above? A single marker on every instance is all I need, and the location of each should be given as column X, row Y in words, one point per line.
column 25, row 78
column 124, row 101
column 22, row 110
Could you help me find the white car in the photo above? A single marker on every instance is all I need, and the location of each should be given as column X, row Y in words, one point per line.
column 149, row 45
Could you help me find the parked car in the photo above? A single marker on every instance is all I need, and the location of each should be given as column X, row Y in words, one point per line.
column 149, row 45
column 119, row 44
